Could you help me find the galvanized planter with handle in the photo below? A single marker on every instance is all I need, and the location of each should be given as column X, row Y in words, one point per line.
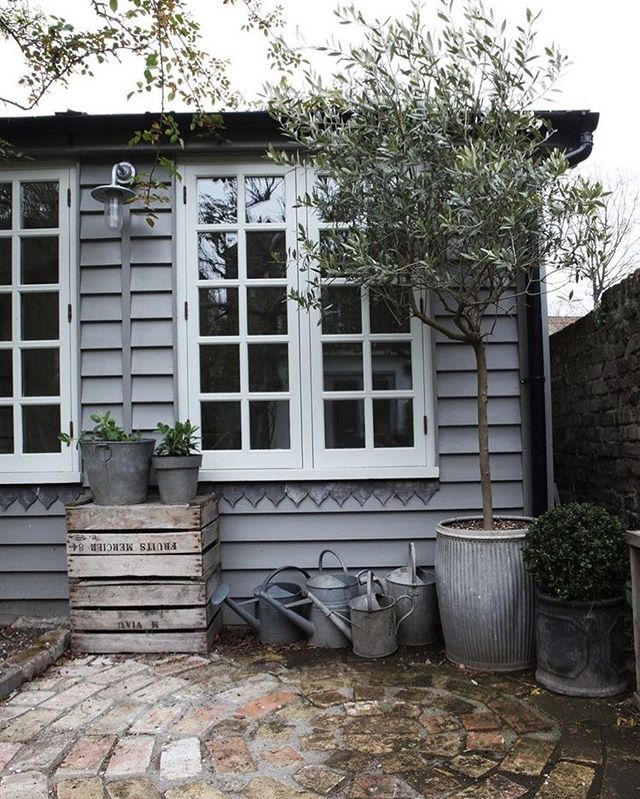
column 486, row 596
column 421, row 627
column 118, row 471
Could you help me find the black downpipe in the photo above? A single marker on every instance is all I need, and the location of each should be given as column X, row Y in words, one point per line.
column 537, row 401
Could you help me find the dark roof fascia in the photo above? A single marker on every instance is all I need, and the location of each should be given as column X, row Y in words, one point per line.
column 80, row 135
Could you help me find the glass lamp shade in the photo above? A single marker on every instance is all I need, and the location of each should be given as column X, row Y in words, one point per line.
column 113, row 214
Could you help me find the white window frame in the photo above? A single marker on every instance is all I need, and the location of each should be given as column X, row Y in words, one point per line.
column 64, row 466
column 309, row 459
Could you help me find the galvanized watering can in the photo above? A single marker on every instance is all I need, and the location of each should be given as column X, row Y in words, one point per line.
column 272, row 618
column 374, row 624
column 329, row 596
column 420, row 585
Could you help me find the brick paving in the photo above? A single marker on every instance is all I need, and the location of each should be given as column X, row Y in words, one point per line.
column 252, row 722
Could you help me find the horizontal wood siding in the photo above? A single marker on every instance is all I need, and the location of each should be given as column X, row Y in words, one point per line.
column 258, row 537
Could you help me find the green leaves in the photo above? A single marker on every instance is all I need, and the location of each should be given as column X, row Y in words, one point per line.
column 178, row 440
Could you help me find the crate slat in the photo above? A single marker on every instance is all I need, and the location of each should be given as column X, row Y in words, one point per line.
column 147, row 620
column 147, row 516
column 141, row 593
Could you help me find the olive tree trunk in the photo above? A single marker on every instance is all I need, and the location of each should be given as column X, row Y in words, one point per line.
column 479, row 349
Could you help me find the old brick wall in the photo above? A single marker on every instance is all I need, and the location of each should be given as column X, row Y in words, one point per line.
column 595, row 378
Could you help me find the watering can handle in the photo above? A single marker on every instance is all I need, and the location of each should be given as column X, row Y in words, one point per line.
column 412, row 561
column 283, row 569
column 335, row 555
column 374, row 579
column 410, row 611
column 370, row 591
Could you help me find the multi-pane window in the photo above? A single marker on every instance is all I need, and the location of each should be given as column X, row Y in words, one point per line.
column 339, row 390
column 34, row 335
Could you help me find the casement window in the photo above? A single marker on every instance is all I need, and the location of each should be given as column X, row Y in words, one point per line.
column 35, row 325
column 277, row 391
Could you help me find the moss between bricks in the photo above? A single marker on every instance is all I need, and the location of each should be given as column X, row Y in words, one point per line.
column 29, row 662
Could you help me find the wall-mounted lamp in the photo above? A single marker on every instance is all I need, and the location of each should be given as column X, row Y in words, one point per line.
column 114, row 195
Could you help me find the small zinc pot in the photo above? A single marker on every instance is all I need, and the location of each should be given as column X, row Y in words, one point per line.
column 580, row 646
column 118, row 471
column 485, row 595
column 177, row 477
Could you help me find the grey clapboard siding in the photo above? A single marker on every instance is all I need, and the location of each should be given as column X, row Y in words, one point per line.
column 255, row 538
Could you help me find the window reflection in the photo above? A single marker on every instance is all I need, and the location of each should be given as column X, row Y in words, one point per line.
column 5, row 206
column 266, row 255
column 392, row 423
column 219, row 368
column 221, row 425
column 268, row 367
column 341, row 310
column 391, row 365
column 269, row 424
column 267, row 311
column 388, row 316
column 219, row 312
column 218, row 256
column 264, row 199
column 344, row 424
column 343, row 367
column 40, row 204
column 217, row 200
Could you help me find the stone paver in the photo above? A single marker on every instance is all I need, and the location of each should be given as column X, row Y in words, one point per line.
column 86, row 757
column 258, row 722
column 180, row 759
column 24, row 785
column 567, row 781
column 131, row 757
column 80, row 789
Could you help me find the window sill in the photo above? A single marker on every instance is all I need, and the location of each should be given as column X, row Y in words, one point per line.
column 39, row 478
column 319, row 475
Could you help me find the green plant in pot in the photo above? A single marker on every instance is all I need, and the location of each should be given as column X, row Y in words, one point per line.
column 116, row 463
column 577, row 556
column 177, row 462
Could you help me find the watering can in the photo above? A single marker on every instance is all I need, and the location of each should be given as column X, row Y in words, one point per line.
column 374, row 622
column 420, row 585
column 329, row 596
column 272, row 618
column 371, row 628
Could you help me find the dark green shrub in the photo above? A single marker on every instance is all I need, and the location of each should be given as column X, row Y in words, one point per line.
column 578, row 551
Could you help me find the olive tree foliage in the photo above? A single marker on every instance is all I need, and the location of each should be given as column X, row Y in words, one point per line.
column 441, row 191
column 161, row 39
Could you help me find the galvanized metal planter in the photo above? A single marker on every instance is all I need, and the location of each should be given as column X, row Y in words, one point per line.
column 486, row 597
column 177, row 477
column 118, row 471
column 581, row 646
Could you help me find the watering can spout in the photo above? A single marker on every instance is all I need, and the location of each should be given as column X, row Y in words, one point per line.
column 244, row 614
column 332, row 616
column 306, row 626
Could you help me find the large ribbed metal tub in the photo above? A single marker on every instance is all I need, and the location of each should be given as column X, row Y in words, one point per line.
column 486, row 596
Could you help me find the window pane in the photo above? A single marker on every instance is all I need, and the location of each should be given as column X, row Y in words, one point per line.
column 5, row 262
column 387, row 318
column 219, row 312
column 5, row 317
column 6, row 373
column 217, row 200
column 40, row 205
column 391, row 364
column 344, row 424
column 341, row 310
column 39, row 260
column 268, row 367
column 218, row 256
column 40, row 373
column 393, row 423
column 221, row 425
column 267, row 310
column 5, row 206
column 264, row 199
column 39, row 316
column 269, row 423
column 40, row 428
column 266, row 255
column 6, row 430
column 342, row 367
column 220, row 368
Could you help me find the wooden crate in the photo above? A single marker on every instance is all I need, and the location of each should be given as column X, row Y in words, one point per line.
column 141, row 576
column 633, row 539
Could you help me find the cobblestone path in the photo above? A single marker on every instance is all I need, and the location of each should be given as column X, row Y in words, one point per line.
column 272, row 723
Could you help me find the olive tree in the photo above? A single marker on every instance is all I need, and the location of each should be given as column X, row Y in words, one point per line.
column 441, row 188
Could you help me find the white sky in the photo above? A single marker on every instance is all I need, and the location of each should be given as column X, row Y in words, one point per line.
column 600, row 38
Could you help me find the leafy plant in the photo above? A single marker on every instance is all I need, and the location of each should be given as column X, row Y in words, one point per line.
column 106, row 429
column 178, row 440
column 578, row 552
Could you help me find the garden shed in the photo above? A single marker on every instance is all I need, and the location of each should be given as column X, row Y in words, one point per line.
column 346, row 428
